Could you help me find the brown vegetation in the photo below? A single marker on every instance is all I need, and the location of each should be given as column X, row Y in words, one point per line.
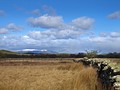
column 51, row 75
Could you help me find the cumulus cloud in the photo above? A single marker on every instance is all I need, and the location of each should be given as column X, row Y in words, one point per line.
column 97, row 39
column 83, row 23
column 60, row 36
column 2, row 13
column 10, row 27
column 57, row 29
column 26, row 39
column 71, row 45
column 3, row 30
column 58, row 45
column 104, row 44
column 115, row 34
column 46, row 21
column 53, row 34
column 10, row 42
column 114, row 15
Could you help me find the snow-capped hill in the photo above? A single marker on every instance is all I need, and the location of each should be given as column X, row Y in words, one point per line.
column 34, row 51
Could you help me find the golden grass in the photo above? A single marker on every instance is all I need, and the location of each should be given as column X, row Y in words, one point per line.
column 70, row 76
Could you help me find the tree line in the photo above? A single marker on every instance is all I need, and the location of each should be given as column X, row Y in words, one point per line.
column 89, row 54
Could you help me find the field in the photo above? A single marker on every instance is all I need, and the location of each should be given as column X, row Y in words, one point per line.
column 47, row 75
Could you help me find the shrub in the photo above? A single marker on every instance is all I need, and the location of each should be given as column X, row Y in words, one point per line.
column 91, row 54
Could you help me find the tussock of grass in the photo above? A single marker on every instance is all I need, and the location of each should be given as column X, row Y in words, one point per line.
column 71, row 67
column 83, row 80
column 69, row 76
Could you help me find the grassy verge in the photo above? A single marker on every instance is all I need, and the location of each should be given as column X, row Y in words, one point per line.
column 48, row 76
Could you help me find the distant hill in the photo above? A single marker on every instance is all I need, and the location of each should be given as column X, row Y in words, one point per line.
column 27, row 52
column 37, row 52
column 7, row 52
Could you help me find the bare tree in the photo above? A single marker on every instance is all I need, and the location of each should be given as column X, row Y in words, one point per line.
column 91, row 53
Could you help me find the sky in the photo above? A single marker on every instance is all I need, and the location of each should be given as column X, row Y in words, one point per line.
column 64, row 26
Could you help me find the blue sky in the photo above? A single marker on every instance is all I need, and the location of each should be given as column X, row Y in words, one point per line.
column 67, row 26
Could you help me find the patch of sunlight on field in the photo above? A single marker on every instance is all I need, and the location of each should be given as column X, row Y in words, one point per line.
column 69, row 76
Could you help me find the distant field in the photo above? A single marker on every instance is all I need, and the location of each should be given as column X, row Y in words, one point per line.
column 114, row 59
column 47, row 75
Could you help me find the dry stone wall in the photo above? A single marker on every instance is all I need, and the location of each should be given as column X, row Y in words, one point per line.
column 108, row 71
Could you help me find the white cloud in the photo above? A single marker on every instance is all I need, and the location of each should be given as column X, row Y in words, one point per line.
column 97, row 39
column 49, row 10
column 115, row 34
column 60, row 36
column 106, row 44
column 46, row 21
column 28, row 49
column 103, row 44
column 83, row 23
column 3, row 30
column 53, row 34
column 27, row 40
column 12, row 26
column 57, row 29
column 103, row 34
column 36, row 12
column 10, row 42
column 114, row 15
column 37, row 35
column 2, row 13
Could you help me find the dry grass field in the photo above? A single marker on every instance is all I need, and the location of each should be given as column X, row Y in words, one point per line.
column 47, row 75
column 114, row 59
